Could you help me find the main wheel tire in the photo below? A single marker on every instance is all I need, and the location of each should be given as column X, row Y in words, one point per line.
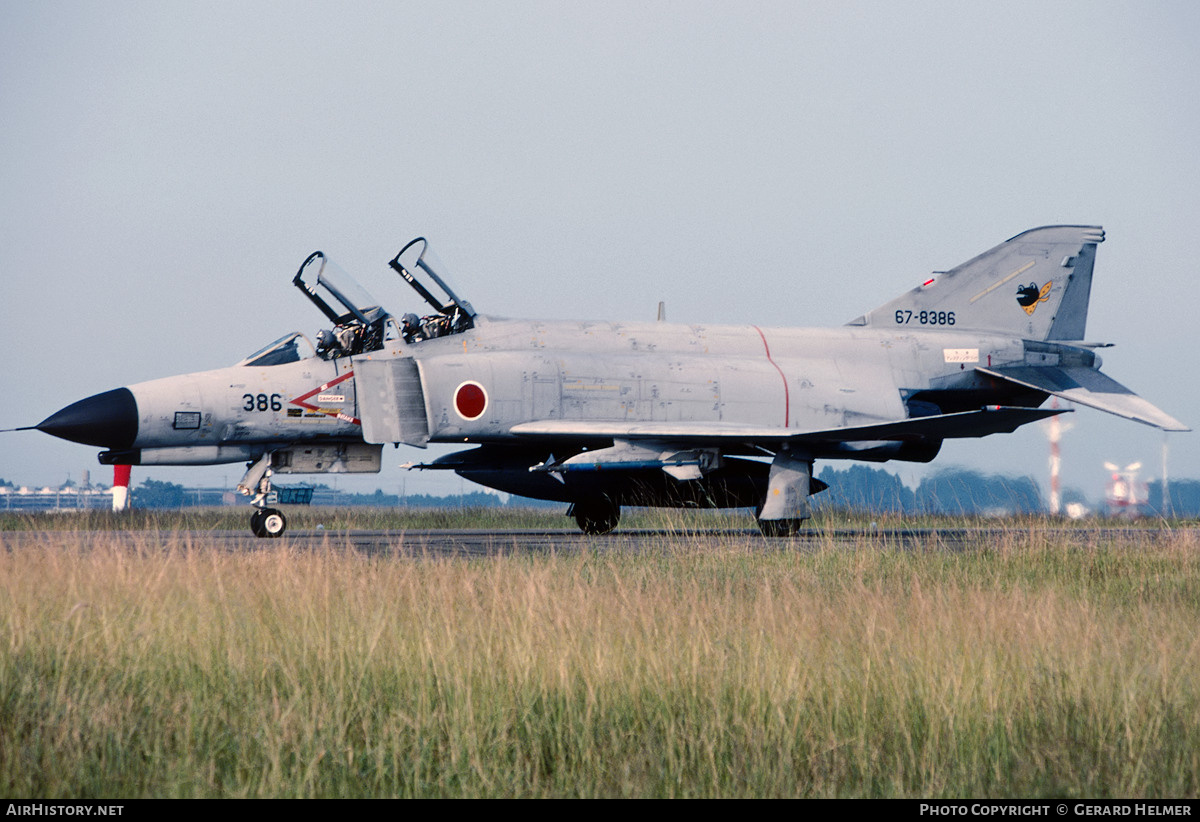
column 780, row 527
column 256, row 523
column 273, row 523
column 596, row 516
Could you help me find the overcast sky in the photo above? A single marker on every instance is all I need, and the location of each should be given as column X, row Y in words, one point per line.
column 166, row 166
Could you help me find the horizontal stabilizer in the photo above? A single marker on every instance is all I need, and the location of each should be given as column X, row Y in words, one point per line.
column 1087, row 386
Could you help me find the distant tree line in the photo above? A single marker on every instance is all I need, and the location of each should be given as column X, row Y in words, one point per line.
column 954, row 491
column 1183, row 498
column 155, row 494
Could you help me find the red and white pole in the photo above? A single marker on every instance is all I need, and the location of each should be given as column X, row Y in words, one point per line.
column 1055, row 462
column 120, row 487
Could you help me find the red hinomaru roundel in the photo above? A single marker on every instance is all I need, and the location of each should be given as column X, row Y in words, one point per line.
column 470, row 400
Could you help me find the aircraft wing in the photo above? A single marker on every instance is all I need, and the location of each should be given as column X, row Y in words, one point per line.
column 990, row 420
column 1087, row 386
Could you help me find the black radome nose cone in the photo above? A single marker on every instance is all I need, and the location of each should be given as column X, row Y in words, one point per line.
column 109, row 419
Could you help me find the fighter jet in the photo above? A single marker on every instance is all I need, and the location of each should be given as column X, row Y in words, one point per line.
column 601, row 415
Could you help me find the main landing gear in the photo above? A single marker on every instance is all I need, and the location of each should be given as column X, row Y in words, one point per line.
column 596, row 516
column 600, row 516
column 780, row 527
column 789, row 485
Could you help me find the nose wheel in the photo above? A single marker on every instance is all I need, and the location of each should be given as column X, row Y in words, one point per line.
column 268, row 523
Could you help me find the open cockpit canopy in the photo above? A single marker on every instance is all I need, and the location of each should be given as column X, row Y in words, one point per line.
column 359, row 321
column 335, row 292
column 420, row 268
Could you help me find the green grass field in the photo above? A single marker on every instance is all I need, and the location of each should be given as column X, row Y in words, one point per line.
column 156, row 666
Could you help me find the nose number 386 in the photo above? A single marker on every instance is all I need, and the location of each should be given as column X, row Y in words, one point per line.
column 262, row 402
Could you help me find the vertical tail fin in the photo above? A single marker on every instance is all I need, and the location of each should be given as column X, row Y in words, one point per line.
column 1035, row 286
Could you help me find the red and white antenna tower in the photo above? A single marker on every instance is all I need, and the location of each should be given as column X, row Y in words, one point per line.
column 1055, row 427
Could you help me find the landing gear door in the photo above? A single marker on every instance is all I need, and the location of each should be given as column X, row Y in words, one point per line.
column 391, row 402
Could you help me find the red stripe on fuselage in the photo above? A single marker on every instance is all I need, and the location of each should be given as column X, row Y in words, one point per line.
column 300, row 400
column 787, row 400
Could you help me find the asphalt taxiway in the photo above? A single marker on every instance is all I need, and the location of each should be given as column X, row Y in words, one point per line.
column 480, row 543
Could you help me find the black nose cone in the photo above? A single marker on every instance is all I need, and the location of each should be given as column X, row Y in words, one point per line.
column 109, row 419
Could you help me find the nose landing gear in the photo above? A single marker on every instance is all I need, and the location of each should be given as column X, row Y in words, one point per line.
column 264, row 522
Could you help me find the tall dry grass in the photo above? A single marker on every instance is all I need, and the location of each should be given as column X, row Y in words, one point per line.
column 735, row 667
